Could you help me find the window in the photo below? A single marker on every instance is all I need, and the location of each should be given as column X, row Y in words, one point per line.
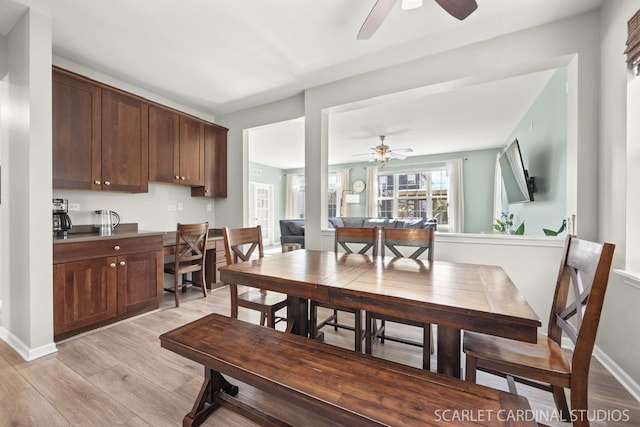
column 414, row 195
column 332, row 198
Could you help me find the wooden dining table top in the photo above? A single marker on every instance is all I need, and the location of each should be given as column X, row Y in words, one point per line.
column 472, row 297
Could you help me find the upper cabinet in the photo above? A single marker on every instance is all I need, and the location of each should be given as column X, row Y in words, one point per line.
column 77, row 133
column 100, row 137
column 108, row 139
column 125, row 143
column 215, row 163
column 176, row 148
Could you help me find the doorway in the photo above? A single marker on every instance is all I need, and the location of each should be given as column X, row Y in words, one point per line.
column 261, row 209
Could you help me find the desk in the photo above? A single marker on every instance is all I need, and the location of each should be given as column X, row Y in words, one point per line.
column 214, row 257
column 451, row 295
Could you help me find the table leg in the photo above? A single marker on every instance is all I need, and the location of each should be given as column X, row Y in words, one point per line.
column 206, row 403
column 448, row 351
column 298, row 315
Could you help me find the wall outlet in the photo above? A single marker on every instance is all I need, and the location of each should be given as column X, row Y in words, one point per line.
column 74, row 207
column 180, row 206
column 209, row 207
column 171, row 207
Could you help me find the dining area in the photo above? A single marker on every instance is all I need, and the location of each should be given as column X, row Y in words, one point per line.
column 373, row 287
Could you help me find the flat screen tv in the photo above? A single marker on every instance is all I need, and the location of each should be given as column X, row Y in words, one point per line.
column 518, row 186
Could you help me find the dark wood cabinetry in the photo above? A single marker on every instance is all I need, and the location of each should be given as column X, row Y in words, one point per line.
column 102, row 281
column 125, row 143
column 215, row 163
column 100, row 137
column 108, row 139
column 76, row 132
column 176, row 148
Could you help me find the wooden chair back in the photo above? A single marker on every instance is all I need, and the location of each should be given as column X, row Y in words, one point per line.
column 366, row 236
column 420, row 238
column 191, row 240
column 241, row 243
column 585, row 271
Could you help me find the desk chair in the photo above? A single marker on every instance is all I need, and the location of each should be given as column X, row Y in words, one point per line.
column 191, row 240
column 394, row 238
column 344, row 237
column 240, row 244
column 585, row 270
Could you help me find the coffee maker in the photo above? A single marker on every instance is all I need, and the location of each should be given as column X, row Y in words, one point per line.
column 61, row 220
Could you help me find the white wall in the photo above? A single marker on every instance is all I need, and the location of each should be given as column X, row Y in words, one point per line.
column 28, row 294
column 619, row 155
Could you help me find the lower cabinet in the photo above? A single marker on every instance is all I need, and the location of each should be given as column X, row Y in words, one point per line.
column 93, row 292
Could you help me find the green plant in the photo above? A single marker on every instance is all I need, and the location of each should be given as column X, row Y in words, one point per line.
column 548, row 232
column 505, row 222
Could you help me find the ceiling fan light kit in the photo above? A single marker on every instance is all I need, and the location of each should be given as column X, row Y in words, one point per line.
column 382, row 153
column 459, row 9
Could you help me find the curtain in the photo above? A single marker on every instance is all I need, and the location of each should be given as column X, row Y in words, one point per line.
column 291, row 209
column 371, row 209
column 342, row 184
column 455, row 196
column 497, row 190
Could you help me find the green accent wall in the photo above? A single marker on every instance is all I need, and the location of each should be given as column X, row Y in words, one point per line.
column 542, row 135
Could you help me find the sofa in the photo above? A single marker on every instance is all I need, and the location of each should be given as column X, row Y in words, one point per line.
column 292, row 230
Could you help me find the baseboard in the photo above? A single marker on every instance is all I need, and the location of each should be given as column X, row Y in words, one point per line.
column 614, row 369
column 23, row 350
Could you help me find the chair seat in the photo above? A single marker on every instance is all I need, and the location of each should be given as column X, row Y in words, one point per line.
column 541, row 361
column 261, row 297
column 182, row 269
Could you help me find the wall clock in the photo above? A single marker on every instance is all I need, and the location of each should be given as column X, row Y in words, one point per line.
column 358, row 186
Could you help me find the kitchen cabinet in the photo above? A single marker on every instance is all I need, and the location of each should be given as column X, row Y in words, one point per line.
column 100, row 136
column 125, row 143
column 176, row 148
column 104, row 280
column 77, row 137
column 215, row 163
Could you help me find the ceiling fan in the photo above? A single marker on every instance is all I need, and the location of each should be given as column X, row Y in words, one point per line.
column 459, row 9
column 382, row 153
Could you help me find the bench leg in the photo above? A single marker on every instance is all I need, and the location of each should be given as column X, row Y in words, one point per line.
column 205, row 403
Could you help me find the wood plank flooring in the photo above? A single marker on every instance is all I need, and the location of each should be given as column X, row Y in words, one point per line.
column 120, row 376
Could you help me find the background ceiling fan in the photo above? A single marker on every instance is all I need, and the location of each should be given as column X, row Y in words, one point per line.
column 457, row 8
column 382, row 153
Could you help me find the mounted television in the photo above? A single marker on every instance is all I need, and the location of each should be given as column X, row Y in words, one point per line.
column 518, row 186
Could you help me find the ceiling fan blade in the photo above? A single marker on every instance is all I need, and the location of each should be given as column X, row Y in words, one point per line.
column 398, row 156
column 361, row 154
column 375, row 18
column 459, row 9
column 403, row 150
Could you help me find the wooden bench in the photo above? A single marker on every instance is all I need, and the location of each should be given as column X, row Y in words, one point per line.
column 351, row 388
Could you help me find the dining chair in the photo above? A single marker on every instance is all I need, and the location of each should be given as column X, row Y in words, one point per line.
column 240, row 245
column 191, row 240
column 585, row 270
column 420, row 239
column 345, row 238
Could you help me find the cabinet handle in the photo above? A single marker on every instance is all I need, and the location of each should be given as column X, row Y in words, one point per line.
column 122, row 263
column 112, row 265
column 182, row 178
column 96, row 182
column 116, row 248
column 107, row 183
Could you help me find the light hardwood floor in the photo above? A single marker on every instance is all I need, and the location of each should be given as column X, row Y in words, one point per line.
column 121, row 376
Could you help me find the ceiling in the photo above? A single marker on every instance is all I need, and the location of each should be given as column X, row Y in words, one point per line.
column 221, row 56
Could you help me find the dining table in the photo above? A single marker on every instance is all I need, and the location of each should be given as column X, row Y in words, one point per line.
column 454, row 296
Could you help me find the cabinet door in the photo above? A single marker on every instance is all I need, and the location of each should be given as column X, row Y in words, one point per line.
column 140, row 282
column 125, row 143
column 84, row 293
column 76, row 133
column 191, row 151
column 215, row 163
column 164, row 145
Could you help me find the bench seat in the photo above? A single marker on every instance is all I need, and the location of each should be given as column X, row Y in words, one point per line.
column 351, row 388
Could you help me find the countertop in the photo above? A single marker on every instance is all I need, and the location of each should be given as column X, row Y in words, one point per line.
column 87, row 233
